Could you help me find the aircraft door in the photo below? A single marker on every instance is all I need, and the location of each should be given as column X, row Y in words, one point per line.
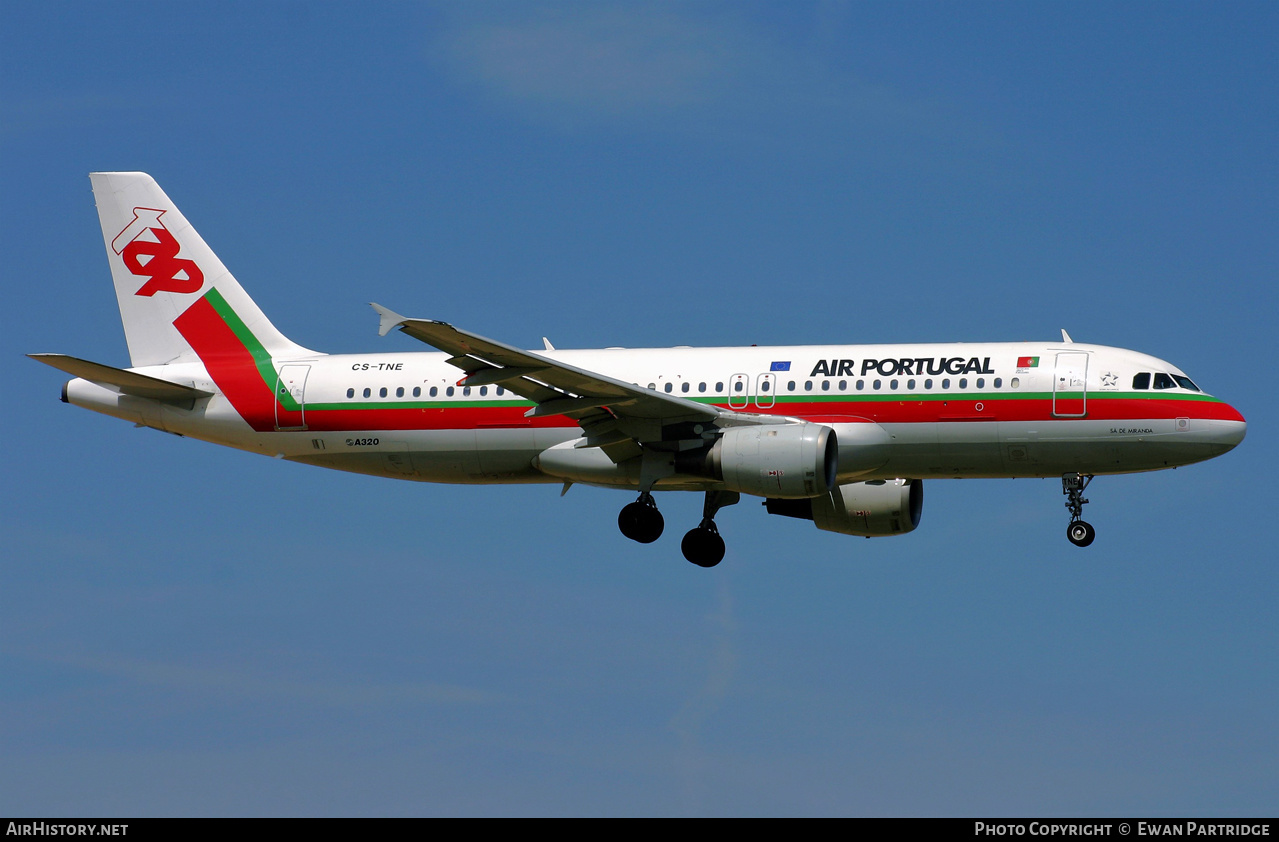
column 1070, row 385
column 290, row 397
column 765, row 388
column 739, row 391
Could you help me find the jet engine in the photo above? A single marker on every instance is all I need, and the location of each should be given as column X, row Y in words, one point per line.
column 871, row 509
column 785, row 461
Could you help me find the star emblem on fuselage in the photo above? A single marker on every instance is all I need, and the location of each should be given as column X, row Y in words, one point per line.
column 1109, row 380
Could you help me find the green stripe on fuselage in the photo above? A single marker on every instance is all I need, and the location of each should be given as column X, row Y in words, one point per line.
column 721, row 400
column 261, row 358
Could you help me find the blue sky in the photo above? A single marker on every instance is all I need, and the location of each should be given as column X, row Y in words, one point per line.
column 191, row 630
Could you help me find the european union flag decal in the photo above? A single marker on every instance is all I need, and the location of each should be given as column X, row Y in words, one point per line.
column 784, row 366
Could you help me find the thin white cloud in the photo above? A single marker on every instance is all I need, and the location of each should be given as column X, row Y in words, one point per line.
column 243, row 684
column 692, row 760
column 610, row 60
column 591, row 63
column 678, row 68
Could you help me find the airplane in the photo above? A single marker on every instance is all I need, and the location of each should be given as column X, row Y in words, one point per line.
column 842, row 435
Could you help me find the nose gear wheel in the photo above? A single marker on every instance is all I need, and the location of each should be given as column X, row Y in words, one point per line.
column 1079, row 532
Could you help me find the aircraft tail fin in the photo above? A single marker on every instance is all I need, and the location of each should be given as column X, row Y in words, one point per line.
column 162, row 267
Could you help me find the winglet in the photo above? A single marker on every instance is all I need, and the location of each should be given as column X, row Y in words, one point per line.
column 547, row 343
column 389, row 319
column 1065, row 337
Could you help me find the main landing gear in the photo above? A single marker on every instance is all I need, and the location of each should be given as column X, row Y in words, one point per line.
column 1079, row 531
column 702, row 544
column 641, row 521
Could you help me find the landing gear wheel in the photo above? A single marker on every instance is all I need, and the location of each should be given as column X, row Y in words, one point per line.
column 641, row 521
column 1080, row 533
column 703, row 546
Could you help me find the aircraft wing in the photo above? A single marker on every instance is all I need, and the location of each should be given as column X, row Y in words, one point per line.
column 615, row 415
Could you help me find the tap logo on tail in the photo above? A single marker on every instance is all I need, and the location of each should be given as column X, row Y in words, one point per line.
column 150, row 251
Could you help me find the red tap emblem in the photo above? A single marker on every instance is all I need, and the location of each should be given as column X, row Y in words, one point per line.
column 156, row 257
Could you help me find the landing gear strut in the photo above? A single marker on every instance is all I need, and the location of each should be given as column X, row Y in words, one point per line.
column 641, row 521
column 702, row 545
column 1079, row 531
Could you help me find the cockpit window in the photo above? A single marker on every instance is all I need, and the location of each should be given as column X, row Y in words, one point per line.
column 1163, row 381
column 1186, row 383
column 1141, row 381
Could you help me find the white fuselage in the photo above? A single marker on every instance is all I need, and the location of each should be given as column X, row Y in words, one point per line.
column 919, row 411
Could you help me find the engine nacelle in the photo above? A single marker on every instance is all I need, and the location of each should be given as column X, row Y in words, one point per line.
column 786, row 461
column 870, row 509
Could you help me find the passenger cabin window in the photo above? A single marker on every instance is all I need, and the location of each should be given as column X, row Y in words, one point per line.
column 669, row 387
column 399, row 392
column 350, row 393
column 1141, row 381
column 434, row 391
column 368, row 392
column 683, row 387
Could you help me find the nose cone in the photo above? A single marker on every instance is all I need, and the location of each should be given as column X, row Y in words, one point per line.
column 1228, row 428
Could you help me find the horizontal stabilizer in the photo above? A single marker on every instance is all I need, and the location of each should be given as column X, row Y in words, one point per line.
column 128, row 382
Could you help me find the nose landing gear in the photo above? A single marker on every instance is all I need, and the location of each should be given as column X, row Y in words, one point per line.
column 1078, row 531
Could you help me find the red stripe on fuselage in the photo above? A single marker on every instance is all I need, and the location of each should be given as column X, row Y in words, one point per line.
column 463, row 417
column 229, row 363
column 1099, row 408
